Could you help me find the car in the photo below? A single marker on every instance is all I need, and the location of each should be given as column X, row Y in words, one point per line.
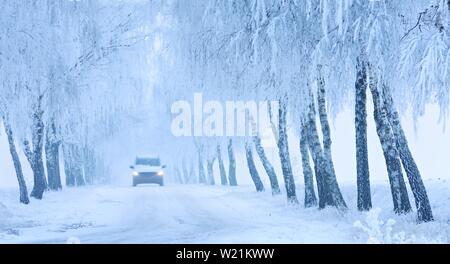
column 147, row 170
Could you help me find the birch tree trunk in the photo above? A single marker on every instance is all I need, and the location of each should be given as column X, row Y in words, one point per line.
column 78, row 160
column 34, row 153
column 317, row 155
column 89, row 165
column 192, row 172
column 310, row 196
column 331, row 181
column 223, row 174
column 283, row 151
column 177, row 174
column 201, row 170
column 364, row 200
column 252, row 168
column 391, row 155
column 232, row 164
column 185, row 171
column 68, row 170
column 210, row 168
column 73, row 165
column 267, row 166
column 23, row 192
column 52, row 158
column 424, row 213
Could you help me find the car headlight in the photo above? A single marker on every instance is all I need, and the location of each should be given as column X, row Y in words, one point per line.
column 135, row 173
column 160, row 173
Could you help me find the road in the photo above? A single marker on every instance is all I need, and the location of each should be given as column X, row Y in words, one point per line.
column 169, row 214
column 194, row 214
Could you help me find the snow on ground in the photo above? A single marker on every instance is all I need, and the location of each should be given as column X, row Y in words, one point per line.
column 211, row 214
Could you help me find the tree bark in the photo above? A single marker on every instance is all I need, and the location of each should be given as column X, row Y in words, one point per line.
column 89, row 165
column 310, row 196
column 23, row 192
column 79, row 175
column 283, row 151
column 52, row 162
column 424, row 213
column 177, row 174
column 210, row 168
column 68, row 170
column 252, row 168
column 232, row 164
column 317, row 155
column 34, row 156
column 391, row 155
column 201, row 169
column 185, row 171
column 52, row 158
column 364, row 200
column 223, row 174
column 267, row 166
column 192, row 172
column 331, row 181
column 73, row 165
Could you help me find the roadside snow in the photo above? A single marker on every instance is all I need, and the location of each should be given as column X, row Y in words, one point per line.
column 205, row 214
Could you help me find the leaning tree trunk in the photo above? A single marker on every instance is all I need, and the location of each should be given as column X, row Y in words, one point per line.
column 223, row 174
column 34, row 155
column 317, row 155
column 424, row 213
column 310, row 196
column 267, row 166
column 52, row 158
column 252, row 168
column 201, row 169
column 283, row 151
column 364, row 200
column 335, row 192
column 23, row 192
column 391, row 155
column 232, row 164
column 210, row 168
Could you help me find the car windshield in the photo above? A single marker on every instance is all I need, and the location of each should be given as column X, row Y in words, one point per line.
column 148, row 161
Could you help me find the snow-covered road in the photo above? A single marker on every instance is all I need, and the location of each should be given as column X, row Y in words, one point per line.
column 192, row 214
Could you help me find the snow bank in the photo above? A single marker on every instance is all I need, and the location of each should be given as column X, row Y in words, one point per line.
column 4, row 213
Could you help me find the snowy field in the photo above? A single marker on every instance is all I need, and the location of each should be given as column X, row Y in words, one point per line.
column 205, row 214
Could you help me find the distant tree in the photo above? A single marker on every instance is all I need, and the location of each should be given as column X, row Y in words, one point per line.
column 267, row 165
column 223, row 174
column 252, row 168
column 232, row 164
column 210, row 169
